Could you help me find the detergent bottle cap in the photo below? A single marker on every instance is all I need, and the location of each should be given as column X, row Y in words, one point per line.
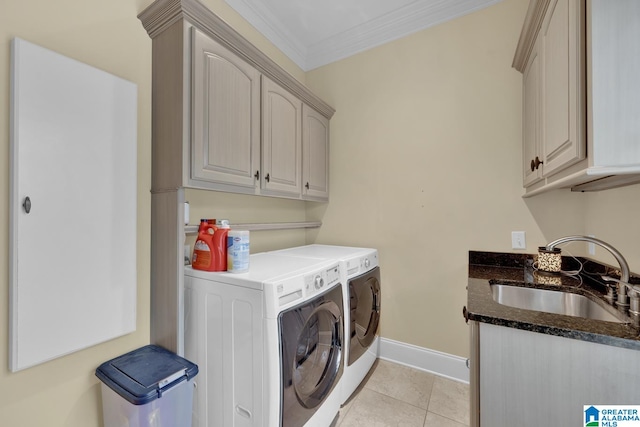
column 224, row 223
column 203, row 225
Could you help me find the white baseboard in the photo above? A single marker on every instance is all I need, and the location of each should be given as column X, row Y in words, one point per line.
column 424, row 359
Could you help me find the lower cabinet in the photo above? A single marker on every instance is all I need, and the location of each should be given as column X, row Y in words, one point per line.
column 522, row 378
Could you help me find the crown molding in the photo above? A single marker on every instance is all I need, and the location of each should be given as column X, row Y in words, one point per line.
column 532, row 24
column 273, row 29
column 162, row 14
column 399, row 23
column 395, row 25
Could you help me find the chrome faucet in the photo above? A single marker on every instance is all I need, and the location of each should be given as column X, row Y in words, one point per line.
column 624, row 270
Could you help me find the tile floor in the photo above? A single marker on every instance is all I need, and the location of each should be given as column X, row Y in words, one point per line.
column 396, row 395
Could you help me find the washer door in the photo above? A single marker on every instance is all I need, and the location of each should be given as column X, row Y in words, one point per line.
column 364, row 296
column 311, row 344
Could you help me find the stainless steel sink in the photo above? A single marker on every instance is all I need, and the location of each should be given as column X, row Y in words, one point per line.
column 556, row 302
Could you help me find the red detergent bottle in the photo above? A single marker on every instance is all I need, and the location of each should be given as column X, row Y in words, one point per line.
column 203, row 253
column 220, row 246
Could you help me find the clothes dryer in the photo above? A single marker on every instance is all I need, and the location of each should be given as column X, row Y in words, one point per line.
column 269, row 343
column 362, row 293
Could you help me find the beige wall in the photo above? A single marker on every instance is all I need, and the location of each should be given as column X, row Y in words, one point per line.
column 242, row 209
column 65, row 392
column 425, row 165
column 613, row 216
column 107, row 35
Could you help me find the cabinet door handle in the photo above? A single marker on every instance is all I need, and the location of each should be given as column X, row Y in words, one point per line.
column 257, row 175
column 538, row 162
column 266, row 178
column 27, row 204
column 307, row 185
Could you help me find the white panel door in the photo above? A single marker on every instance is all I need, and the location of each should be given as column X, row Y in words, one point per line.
column 73, row 255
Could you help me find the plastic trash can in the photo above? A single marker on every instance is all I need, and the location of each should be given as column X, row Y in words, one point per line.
column 147, row 387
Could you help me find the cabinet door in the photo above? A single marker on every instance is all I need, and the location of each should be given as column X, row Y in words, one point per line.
column 523, row 371
column 226, row 117
column 281, row 140
column 315, row 154
column 563, row 113
column 531, row 149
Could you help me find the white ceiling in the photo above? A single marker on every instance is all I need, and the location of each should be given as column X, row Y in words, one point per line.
column 317, row 32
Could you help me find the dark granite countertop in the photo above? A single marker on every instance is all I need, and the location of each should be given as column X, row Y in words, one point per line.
column 486, row 268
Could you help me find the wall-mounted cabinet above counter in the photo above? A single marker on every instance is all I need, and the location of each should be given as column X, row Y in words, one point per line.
column 225, row 116
column 581, row 94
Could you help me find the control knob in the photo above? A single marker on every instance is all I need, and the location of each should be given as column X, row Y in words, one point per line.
column 318, row 282
column 367, row 263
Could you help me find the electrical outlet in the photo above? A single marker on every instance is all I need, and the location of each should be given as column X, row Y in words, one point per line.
column 518, row 240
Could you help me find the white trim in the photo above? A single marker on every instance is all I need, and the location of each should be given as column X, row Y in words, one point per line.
column 258, row 15
column 424, row 359
column 395, row 25
column 398, row 23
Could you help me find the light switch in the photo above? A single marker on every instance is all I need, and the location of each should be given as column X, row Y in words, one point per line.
column 518, row 240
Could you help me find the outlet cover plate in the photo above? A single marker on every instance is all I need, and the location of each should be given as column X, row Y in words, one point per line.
column 518, row 240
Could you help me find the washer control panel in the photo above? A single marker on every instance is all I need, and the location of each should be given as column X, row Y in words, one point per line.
column 368, row 262
column 290, row 290
column 362, row 264
column 321, row 280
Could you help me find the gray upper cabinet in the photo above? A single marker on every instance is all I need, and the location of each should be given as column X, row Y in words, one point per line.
column 295, row 146
column 225, row 116
column 553, row 102
column 281, row 141
column 531, row 129
column 225, row 143
column 315, row 155
column 580, row 86
column 563, row 76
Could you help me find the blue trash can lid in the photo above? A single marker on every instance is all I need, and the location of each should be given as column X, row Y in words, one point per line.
column 142, row 375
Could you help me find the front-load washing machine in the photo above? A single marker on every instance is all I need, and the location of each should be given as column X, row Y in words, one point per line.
column 361, row 285
column 268, row 343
